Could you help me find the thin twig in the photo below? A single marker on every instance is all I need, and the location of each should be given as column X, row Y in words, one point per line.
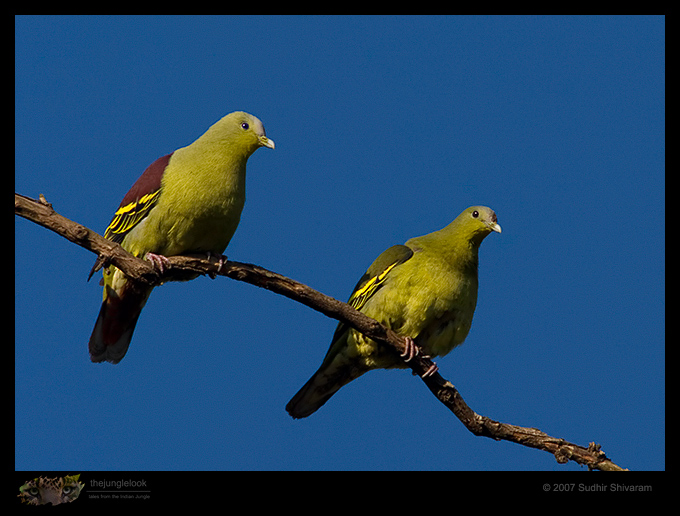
column 186, row 267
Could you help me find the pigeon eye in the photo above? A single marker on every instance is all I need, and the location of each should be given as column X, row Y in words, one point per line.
column 475, row 214
column 245, row 126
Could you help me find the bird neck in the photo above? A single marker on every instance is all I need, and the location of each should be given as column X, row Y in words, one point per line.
column 458, row 248
column 209, row 171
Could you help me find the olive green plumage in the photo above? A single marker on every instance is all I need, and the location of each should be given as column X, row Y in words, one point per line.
column 189, row 201
column 425, row 289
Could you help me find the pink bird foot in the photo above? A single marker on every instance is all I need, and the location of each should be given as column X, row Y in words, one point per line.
column 433, row 369
column 220, row 263
column 410, row 351
column 159, row 261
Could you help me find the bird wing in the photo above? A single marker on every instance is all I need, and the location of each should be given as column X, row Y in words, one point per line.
column 373, row 280
column 138, row 202
column 375, row 276
column 136, row 205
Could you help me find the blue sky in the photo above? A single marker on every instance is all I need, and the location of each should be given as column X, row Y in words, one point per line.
column 385, row 128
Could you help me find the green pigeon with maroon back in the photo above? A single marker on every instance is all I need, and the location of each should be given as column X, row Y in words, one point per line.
column 189, row 201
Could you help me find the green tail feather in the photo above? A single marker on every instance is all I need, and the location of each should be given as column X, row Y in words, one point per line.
column 319, row 388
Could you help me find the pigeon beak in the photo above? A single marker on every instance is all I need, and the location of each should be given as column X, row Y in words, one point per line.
column 266, row 142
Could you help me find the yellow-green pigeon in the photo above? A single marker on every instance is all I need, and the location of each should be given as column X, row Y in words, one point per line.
column 189, row 201
column 424, row 290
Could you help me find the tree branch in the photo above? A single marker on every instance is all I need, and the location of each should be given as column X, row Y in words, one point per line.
column 182, row 268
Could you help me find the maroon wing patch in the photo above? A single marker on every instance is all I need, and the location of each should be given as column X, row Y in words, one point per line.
column 138, row 202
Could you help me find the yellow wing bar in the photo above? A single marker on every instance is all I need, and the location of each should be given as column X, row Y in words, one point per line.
column 361, row 295
column 128, row 216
